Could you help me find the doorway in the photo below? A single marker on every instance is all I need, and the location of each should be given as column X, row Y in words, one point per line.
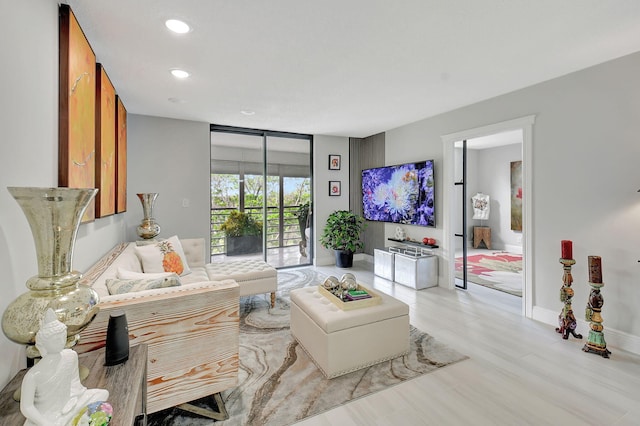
column 488, row 184
column 263, row 179
column 459, row 191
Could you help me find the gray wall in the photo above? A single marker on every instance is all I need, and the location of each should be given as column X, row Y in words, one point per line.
column 493, row 177
column 585, row 181
column 29, row 153
column 172, row 158
column 323, row 204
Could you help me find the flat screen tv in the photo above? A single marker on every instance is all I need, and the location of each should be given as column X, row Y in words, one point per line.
column 403, row 193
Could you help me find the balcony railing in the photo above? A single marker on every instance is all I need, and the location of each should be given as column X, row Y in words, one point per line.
column 283, row 229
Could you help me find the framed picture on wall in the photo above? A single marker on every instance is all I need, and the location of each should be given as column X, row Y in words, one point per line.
column 105, row 144
column 334, row 188
column 334, row 162
column 121, row 157
column 77, row 106
column 516, row 195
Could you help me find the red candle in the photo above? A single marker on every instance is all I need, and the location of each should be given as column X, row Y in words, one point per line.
column 595, row 269
column 567, row 249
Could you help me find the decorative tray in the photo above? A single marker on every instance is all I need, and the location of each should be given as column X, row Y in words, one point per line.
column 349, row 305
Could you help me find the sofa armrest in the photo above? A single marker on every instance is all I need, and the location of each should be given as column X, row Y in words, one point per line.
column 192, row 332
column 89, row 277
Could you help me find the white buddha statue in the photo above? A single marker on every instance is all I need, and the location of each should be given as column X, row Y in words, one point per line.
column 51, row 390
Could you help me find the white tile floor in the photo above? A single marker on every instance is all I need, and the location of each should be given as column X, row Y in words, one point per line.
column 520, row 372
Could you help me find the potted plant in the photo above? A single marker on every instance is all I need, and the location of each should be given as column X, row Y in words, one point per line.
column 302, row 213
column 243, row 233
column 342, row 234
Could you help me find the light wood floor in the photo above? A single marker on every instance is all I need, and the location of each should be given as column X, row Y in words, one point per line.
column 520, row 372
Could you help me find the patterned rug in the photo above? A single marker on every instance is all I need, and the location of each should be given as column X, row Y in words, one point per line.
column 279, row 384
column 499, row 270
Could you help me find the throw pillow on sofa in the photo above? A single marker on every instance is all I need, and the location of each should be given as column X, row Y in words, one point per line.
column 163, row 256
column 118, row 286
column 125, row 274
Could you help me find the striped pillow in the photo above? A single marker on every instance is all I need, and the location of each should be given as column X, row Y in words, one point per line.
column 118, row 286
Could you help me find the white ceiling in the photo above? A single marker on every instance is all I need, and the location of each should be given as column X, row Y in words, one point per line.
column 344, row 67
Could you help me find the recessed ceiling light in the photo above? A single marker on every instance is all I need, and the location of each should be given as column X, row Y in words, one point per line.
column 179, row 73
column 247, row 112
column 177, row 26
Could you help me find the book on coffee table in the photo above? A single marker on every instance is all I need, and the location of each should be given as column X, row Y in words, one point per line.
column 357, row 295
column 357, row 300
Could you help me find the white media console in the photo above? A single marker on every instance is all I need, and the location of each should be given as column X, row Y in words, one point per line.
column 409, row 265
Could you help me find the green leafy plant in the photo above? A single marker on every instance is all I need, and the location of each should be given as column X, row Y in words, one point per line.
column 342, row 231
column 302, row 211
column 240, row 224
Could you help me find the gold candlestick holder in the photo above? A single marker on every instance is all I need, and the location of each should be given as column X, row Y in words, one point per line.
column 567, row 320
column 595, row 342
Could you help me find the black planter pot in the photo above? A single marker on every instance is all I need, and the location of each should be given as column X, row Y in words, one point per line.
column 244, row 245
column 344, row 258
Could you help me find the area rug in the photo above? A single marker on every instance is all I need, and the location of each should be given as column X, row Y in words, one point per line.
column 498, row 270
column 279, row 384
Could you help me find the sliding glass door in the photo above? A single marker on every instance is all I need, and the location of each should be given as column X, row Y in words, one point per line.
column 264, row 177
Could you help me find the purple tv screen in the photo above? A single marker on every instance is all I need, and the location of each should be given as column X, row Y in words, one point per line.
column 403, row 193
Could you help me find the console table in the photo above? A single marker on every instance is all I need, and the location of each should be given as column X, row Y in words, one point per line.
column 414, row 243
column 126, row 383
column 410, row 266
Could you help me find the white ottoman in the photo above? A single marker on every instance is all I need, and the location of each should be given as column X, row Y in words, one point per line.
column 340, row 342
column 252, row 275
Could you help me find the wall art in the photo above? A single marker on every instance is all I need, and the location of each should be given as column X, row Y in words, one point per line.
column 105, row 144
column 76, row 108
column 516, row 195
column 121, row 157
column 334, row 162
column 334, row 188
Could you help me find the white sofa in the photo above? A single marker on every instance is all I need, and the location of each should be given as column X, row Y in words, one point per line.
column 254, row 276
column 191, row 330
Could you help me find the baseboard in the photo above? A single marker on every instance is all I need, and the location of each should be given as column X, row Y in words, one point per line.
column 331, row 260
column 513, row 248
column 614, row 338
column 325, row 260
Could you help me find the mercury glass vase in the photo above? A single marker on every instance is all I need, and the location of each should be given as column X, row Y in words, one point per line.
column 148, row 228
column 54, row 215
